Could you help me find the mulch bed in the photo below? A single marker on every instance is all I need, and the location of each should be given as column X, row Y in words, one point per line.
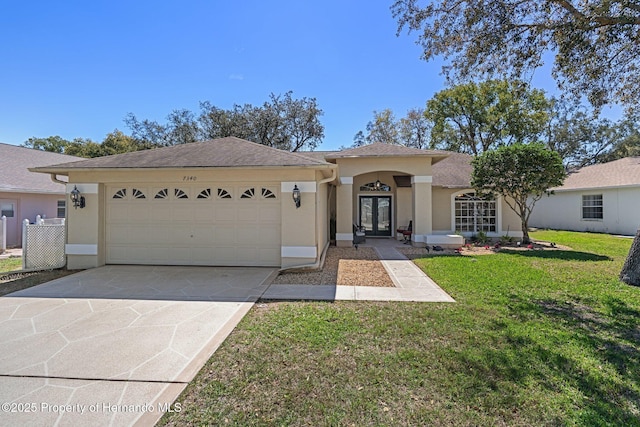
column 343, row 267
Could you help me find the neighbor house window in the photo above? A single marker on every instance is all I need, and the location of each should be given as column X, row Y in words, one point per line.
column 474, row 214
column 6, row 209
column 592, row 206
column 62, row 209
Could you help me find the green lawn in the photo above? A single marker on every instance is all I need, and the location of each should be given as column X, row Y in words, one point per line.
column 10, row 264
column 536, row 338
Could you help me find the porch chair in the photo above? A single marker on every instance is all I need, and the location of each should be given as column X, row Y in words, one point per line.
column 406, row 232
column 359, row 234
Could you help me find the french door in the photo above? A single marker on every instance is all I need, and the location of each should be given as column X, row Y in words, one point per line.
column 375, row 215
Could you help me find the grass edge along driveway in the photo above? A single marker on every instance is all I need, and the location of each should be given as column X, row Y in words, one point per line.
column 536, row 338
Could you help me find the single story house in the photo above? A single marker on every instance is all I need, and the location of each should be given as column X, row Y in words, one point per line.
column 602, row 198
column 231, row 202
column 24, row 194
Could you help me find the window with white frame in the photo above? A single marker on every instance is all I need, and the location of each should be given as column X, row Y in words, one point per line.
column 592, row 206
column 7, row 209
column 62, row 209
column 474, row 214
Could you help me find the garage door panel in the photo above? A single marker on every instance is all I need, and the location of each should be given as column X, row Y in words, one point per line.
column 247, row 214
column 225, row 214
column 139, row 211
column 224, row 254
column 267, row 235
column 181, row 214
column 203, row 235
column 203, row 213
column 118, row 213
column 270, row 214
column 181, row 231
column 270, row 256
column 247, row 236
column 157, row 212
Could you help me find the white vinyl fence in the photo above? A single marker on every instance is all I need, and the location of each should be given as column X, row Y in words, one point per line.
column 43, row 244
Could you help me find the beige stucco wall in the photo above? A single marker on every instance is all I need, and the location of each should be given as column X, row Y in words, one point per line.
column 441, row 198
column 420, row 166
column 28, row 206
column 85, row 228
column 563, row 210
column 404, row 213
column 303, row 230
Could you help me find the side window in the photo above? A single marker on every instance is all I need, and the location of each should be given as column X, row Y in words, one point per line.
column 592, row 207
column 62, row 209
column 7, row 209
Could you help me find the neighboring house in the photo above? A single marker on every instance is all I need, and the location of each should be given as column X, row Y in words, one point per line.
column 24, row 194
column 230, row 202
column 601, row 198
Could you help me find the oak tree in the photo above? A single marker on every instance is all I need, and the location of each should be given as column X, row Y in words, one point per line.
column 476, row 117
column 521, row 174
column 595, row 43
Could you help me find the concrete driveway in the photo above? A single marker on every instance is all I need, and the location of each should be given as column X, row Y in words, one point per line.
column 115, row 345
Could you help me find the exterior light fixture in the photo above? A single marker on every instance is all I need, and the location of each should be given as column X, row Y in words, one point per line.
column 76, row 198
column 296, row 195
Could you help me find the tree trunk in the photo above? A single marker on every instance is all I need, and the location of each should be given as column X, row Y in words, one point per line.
column 525, row 230
column 630, row 273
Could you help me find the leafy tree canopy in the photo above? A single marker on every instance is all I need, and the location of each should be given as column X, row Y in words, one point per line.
column 582, row 138
column 596, row 43
column 521, row 173
column 413, row 130
column 476, row 117
column 281, row 122
column 55, row 144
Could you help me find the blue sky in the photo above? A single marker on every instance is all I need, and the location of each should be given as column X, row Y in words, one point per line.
column 76, row 68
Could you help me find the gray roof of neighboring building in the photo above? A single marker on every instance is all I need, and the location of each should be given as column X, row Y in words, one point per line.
column 618, row 173
column 222, row 152
column 15, row 176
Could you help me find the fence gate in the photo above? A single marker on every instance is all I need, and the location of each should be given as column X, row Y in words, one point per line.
column 43, row 245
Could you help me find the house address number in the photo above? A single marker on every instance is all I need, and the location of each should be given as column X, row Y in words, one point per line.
column 189, row 178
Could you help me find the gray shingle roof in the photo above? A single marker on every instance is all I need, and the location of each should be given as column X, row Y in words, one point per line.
column 222, row 152
column 379, row 149
column 618, row 173
column 453, row 171
column 15, row 176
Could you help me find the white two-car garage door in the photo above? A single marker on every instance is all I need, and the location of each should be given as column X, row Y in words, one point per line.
column 228, row 225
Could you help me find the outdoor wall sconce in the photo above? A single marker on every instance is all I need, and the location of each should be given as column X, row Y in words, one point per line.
column 76, row 198
column 296, row 195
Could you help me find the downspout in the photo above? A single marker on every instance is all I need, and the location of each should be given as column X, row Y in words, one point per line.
column 320, row 262
column 54, row 178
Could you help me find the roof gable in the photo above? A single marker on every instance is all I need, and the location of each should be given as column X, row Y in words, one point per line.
column 222, row 152
column 380, row 149
column 15, row 176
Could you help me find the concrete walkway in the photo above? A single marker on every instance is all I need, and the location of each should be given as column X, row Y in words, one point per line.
column 412, row 284
column 11, row 253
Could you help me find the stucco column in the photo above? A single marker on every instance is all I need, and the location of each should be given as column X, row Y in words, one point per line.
column 422, row 209
column 344, row 212
column 83, row 228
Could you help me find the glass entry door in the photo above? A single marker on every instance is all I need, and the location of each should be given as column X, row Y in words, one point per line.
column 375, row 215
